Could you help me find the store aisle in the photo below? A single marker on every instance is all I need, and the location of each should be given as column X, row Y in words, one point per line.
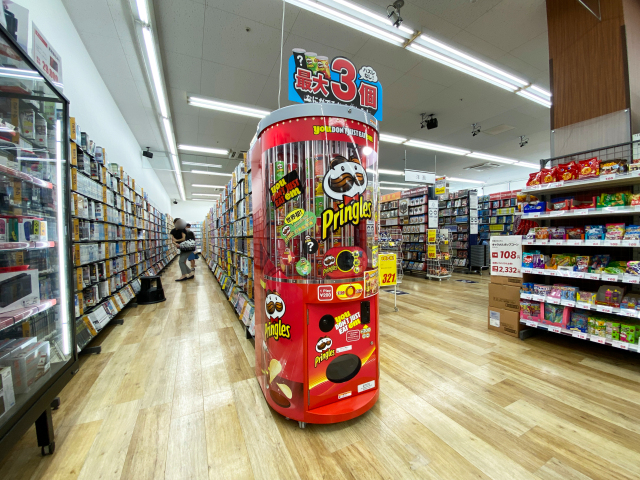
column 173, row 396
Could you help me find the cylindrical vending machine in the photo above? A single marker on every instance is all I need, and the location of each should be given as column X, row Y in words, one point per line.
column 314, row 172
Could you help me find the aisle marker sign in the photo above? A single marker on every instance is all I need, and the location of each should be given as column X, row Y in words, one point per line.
column 388, row 269
column 506, row 256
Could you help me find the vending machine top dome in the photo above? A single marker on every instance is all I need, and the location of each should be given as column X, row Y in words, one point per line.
column 314, row 171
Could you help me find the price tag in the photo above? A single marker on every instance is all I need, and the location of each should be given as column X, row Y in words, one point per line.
column 556, row 184
column 528, row 242
column 631, row 243
column 575, row 242
column 620, row 345
column 635, row 173
column 604, row 308
column 506, row 256
column 607, row 277
column 533, row 215
column 592, row 276
column 580, row 335
column 577, row 274
column 568, row 303
column 551, row 273
column 525, row 296
column 557, row 213
column 586, row 306
column 612, row 243
column 607, row 178
column 564, row 273
column 538, row 298
column 531, row 323
column 527, row 270
column 553, row 300
column 534, row 187
column 580, row 211
column 544, row 186
column 542, row 241
column 594, row 243
column 597, row 339
column 628, row 278
column 555, row 329
column 627, row 312
column 556, row 242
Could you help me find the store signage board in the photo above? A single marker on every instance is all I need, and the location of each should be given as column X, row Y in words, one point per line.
column 506, row 256
column 419, row 176
column 441, row 185
column 388, row 269
column 46, row 57
column 433, row 214
column 316, row 79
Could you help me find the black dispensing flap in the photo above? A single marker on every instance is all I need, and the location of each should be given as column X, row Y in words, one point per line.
column 365, row 312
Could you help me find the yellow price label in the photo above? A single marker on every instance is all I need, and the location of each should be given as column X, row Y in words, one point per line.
column 431, row 236
column 431, row 251
column 387, row 264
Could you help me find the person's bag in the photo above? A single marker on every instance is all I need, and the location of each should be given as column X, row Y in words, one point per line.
column 187, row 246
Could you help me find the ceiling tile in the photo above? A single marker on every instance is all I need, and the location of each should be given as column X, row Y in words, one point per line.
column 217, row 132
column 471, row 44
column 267, row 12
column 409, row 91
column 232, row 84
column 108, row 55
column 327, row 32
column 535, row 52
column 389, row 55
column 186, row 128
column 180, row 26
column 182, row 71
column 436, row 72
column 458, row 12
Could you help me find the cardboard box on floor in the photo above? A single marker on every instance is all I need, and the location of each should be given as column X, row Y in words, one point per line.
column 505, row 321
column 513, row 281
column 504, row 305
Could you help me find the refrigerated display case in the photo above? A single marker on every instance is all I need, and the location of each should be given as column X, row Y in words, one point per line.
column 315, row 210
column 37, row 354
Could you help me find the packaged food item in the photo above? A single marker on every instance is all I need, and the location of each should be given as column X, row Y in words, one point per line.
column 542, row 290
column 527, row 259
column 632, row 232
column 617, row 165
column 633, row 267
column 564, row 260
column 582, row 263
column 579, row 321
column 548, row 175
column 557, row 233
column 575, row 233
column 542, row 233
column 630, row 301
column 616, row 268
column 568, row 171
column 589, row 168
column 558, row 205
column 531, row 234
column 554, row 314
column 527, row 287
column 615, row 231
column 628, row 333
column 534, row 179
column 551, row 263
column 540, row 260
column 530, row 310
column 599, row 263
column 569, row 292
column 594, row 232
column 610, row 295
column 618, row 199
column 586, row 297
column 584, row 203
column 612, row 330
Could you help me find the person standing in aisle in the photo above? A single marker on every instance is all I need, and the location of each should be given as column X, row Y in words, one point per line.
column 179, row 236
column 194, row 255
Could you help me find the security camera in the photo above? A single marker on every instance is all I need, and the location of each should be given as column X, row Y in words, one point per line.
column 147, row 153
column 523, row 140
column 475, row 129
column 393, row 13
column 430, row 121
column 175, row 202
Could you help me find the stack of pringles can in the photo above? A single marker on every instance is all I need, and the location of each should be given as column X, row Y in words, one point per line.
column 316, row 64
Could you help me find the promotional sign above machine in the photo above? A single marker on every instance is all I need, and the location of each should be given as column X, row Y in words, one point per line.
column 315, row 79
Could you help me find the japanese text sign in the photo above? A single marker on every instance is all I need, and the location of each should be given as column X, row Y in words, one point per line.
column 315, row 79
column 506, row 256
column 388, row 269
column 285, row 189
column 46, row 57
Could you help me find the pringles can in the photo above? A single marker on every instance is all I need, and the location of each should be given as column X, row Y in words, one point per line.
column 323, row 67
column 312, row 61
column 298, row 57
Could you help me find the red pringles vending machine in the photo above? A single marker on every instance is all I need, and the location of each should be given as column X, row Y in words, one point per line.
column 314, row 172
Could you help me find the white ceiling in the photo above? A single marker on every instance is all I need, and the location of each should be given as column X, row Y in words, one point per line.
column 229, row 50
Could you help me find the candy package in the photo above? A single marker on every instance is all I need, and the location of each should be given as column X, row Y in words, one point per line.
column 575, row 233
column 539, row 261
column 579, row 321
column 542, row 233
column 582, row 204
column 597, row 325
column 594, row 232
column 589, row 168
column 555, row 314
column 628, row 333
column 630, row 301
column 527, row 259
column 618, row 199
column 615, row 231
column 532, row 233
column 557, row 233
column 586, row 297
column 610, row 295
column 530, row 310
column 599, row 263
column 617, row 165
column 635, row 199
column 540, row 289
column 582, row 263
column 633, row 267
column 534, row 179
column 568, row 171
column 527, row 287
column 558, row 205
column 616, row 268
column 548, row 175
column 632, row 232
column 612, row 330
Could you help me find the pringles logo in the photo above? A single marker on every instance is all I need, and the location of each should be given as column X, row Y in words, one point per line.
column 275, row 309
column 326, row 355
column 345, row 181
column 277, row 330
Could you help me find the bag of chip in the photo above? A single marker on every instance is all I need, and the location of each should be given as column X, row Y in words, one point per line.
column 568, row 171
column 589, row 168
column 548, row 175
column 534, row 179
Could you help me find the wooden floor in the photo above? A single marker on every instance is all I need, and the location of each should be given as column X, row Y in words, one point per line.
column 173, row 395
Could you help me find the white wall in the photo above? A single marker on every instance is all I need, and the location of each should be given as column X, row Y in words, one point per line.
column 91, row 103
column 191, row 211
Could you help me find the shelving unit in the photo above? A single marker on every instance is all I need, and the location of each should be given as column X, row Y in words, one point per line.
column 413, row 217
column 617, row 249
column 118, row 236
column 228, row 244
column 196, row 228
column 458, row 213
column 496, row 214
column 438, row 255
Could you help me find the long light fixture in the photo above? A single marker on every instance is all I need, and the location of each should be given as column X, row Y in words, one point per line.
column 62, row 235
column 213, row 151
column 196, row 164
column 390, row 172
column 207, row 186
column 348, row 20
column 373, row 15
column 206, row 194
column 151, row 57
column 203, row 200
column 227, row 107
column 493, row 158
column 535, row 98
column 456, row 179
column 437, row 147
column 204, row 172
column 384, row 137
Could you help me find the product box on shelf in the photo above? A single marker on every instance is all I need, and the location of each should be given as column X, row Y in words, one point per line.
column 19, row 289
column 504, row 321
column 504, row 297
column 7, row 395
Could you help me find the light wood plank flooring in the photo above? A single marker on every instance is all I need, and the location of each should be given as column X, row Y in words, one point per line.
column 173, row 396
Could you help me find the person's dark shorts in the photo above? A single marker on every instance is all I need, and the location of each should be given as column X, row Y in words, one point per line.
column 193, row 256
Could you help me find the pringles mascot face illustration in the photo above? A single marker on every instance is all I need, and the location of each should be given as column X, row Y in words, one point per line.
column 274, row 306
column 346, row 179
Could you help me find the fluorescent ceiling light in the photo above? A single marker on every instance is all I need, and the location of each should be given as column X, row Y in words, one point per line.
column 203, row 200
column 535, row 98
column 456, row 179
column 143, row 11
column 155, row 70
column 390, row 172
column 206, row 194
column 19, row 73
column 437, row 147
column 214, row 151
column 347, row 20
column 493, row 158
column 474, row 61
column 541, row 91
column 196, row 164
column 463, row 67
column 391, row 138
column 375, row 16
column 203, row 172
column 402, row 184
column 207, row 186
column 528, row 165
column 168, row 131
column 227, row 107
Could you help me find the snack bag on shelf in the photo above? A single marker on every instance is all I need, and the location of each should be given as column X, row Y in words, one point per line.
column 534, row 179
column 575, row 233
column 632, row 232
column 589, row 168
column 635, row 197
column 582, row 263
column 568, row 171
column 586, row 297
column 527, row 259
column 594, row 232
column 542, row 233
column 578, row 321
column 615, row 231
column 617, row 165
column 549, row 175
column 633, row 267
column 618, row 199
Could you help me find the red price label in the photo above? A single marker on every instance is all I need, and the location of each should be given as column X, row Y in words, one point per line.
column 325, row 292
